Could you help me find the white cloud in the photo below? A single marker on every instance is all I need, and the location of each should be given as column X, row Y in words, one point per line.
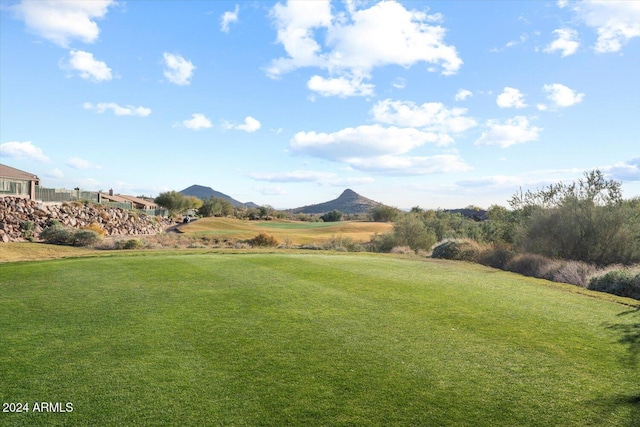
column 399, row 83
column 63, row 21
column 117, row 109
column 363, row 141
column 511, row 98
column 358, row 40
column 78, row 163
column 197, row 122
column 431, row 116
column 250, row 125
column 624, row 171
column 567, row 42
column 22, row 150
column 179, row 70
column 407, row 165
column 562, row 96
column 228, row 18
column 463, row 94
column 271, row 190
column 340, row 86
column 542, row 107
column 512, row 131
column 322, row 178
column 55, row 173
column 616, row 22
column 88, row 67
column 295, row 176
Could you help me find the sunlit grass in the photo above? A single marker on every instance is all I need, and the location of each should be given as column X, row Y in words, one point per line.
column 308, row 339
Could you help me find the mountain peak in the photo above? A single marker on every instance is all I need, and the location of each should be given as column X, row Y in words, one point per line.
column 348, row 193
column 349, row 202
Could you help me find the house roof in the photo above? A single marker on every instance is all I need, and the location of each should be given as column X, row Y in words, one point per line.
column 114, row 198
column 139, row 201
column 9, row 172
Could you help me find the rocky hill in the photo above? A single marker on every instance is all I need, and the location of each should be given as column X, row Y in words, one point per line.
column 202, row 192
column 115, row 221
column 349, row 202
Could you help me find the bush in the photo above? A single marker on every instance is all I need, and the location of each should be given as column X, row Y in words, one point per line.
column 333, row 216
column 128, row 244
column 342, row 244
column 403, row 250
column 496, row 257
column 618, row 282
column 382, row 242
column 85, row 238
column 263, row 239
column 461, row 250
column 94, row 226
column 57, row 234
column 27, row 228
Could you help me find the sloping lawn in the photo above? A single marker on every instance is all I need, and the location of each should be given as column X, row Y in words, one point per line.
column 270, row 339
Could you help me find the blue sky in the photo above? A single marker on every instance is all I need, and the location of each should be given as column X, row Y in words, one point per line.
column 439, row 104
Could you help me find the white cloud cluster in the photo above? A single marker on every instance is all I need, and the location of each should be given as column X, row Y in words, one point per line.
column 22, row 150
column 624, row 171
column 88, row 67
column 250, row 125
column 228, row 18
column 356, row 41
column 179, row 70
column 340, row 86
column 511, row 98
column 198, row 121
column 512, row 131
column 78, row 163
column 616, row 22
column 463, row 94
column 567, row 42
column 430, row 116
column 321, row 178
column 562, row 96
column 118, row 110
column 63, row 21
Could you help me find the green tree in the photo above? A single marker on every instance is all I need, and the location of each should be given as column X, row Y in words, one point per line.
column 411, row 231
column 177, row 203
column 216, row 206
column 585, row 220
column 333, row 216
column 384, row 213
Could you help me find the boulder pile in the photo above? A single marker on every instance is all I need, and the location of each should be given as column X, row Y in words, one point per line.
column 18, row 215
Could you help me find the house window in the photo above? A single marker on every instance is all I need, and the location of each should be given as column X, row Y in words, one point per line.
column 8, row 186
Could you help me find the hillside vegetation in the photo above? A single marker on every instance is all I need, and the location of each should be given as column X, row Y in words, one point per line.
column 310, row 339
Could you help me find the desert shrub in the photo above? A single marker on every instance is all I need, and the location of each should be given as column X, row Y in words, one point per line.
column 461, row 250
column 241, row 245
column 128, row 244
column 342, row 244
column 449, row 249
column 404, row 250
column 94, row 226
column 411, row 231
column 57, row 234
column 618, row 282
column 263, row 239
column 28, row 229
column 572, row 272
column 85, row 238
column 532, row 265
column 382, row 242
column 496, row 257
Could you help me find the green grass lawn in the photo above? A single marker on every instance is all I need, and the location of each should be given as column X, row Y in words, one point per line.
column 274, row 339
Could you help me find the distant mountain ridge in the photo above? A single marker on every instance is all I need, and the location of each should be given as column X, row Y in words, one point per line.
column 202, row 192
column 349, row 202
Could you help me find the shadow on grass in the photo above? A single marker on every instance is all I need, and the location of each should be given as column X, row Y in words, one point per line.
column 630, row 334
column 630, row 337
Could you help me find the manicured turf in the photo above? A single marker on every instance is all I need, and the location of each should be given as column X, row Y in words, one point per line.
column 296, row 232
column 309, row 339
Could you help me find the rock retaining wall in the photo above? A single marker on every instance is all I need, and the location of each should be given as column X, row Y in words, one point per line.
column 16, row 211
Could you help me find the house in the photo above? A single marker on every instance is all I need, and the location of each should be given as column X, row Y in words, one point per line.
column 135, row 202
column 17, row 183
